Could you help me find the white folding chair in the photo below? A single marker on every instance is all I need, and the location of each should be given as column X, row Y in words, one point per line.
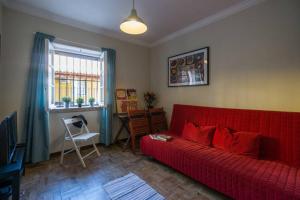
column 83, row 136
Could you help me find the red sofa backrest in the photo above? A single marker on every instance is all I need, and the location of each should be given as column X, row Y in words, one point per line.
column 280, row 130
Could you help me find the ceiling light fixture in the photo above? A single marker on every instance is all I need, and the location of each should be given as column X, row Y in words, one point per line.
column 133, row 24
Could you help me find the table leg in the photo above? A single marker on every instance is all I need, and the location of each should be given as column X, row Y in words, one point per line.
column 119, row 132
column 129, row 137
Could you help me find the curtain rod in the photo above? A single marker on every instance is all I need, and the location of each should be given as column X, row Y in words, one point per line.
column 75, row 43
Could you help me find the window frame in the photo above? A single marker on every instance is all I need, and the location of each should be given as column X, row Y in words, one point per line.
column 50, row 89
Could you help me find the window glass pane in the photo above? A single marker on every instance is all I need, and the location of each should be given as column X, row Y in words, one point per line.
column 76, row 90
column 63, row 88
column 50, row 75
column 57, row 96
column 95, row 92
column 89, row 90
column 76, row 66
column 83, row 90
column 75, row 77
column 70, row 64
column 82, row 67
column 63, row 63
column 89, row 67
column 56, row 62
column 95, row 67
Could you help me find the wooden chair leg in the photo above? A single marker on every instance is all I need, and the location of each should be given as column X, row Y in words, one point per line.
column 128, row 140
column 62, row 153
column 133, row 143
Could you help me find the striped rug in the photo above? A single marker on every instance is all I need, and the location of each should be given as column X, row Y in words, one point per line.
column 131, row 187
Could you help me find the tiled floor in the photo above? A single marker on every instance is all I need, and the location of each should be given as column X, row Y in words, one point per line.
column 51, row 181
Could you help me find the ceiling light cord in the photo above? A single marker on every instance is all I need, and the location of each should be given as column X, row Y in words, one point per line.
column 133, row 6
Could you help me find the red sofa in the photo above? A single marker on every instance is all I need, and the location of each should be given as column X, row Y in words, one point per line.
column 276, row 175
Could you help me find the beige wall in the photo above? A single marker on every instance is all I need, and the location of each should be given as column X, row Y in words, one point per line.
column 254, row 61
column 132, row 69
column 1, row 10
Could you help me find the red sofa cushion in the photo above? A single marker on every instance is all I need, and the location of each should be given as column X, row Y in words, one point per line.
column 245, row 143
column 200, row 134
column 242, row 143
column 222, row 138
column 239, row 177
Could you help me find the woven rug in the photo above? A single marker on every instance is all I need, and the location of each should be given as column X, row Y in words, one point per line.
column 131, row 187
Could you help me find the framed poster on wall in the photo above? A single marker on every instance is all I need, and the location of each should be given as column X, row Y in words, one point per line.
column 126, row 99
column 189, row 69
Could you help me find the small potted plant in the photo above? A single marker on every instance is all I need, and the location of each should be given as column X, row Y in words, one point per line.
column 149, row 98
column 92, row 101
column 67, row 101
column 79, row 101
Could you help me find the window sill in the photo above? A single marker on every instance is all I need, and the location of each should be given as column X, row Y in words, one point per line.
column 74, row 109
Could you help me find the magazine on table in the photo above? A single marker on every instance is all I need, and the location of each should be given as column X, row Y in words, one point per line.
column 160, row 137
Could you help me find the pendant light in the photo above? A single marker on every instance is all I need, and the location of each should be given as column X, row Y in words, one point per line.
column 133, row 24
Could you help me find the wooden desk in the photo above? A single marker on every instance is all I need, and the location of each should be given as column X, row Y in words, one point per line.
column 153, row 123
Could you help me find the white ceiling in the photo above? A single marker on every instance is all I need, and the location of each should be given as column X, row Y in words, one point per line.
column 163, row 17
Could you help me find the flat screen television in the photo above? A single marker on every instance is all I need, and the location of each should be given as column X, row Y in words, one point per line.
column 8, row 138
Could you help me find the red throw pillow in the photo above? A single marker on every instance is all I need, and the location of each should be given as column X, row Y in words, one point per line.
column 189, row 130
column 246, row 143
column 200, row 134
column 222, row 138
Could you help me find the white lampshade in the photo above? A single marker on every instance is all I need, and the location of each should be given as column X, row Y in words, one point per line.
column 133, row 24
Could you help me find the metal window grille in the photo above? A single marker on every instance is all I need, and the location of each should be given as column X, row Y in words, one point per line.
column 74, row 75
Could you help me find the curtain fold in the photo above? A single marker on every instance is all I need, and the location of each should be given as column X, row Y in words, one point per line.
column 106, row 113
column 36, row 119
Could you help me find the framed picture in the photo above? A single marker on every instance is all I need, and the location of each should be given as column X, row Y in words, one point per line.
column 189, row 69
column 126, row 99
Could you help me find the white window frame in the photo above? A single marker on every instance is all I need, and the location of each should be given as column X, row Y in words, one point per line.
column 50, row 64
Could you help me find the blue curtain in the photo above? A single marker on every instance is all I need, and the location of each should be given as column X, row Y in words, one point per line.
column 36, row 119
column 106, row 113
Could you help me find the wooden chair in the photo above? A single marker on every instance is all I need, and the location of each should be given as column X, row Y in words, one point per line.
column 158, row 120
column 138, row 125
column 84, row 136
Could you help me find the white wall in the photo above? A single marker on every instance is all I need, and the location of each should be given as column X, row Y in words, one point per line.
column 132, row 70
column 254, row 61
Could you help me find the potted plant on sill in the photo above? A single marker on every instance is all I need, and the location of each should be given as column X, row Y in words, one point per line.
column 67, row 101
column 79, row 101
column 92, row 101
column 150, row 99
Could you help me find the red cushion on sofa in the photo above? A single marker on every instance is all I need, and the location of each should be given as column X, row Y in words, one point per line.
column 246, row 143
column 222, row 138
column 200, row 134
column 189, row 130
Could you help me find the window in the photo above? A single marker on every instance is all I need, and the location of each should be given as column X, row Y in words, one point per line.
column 75, row 72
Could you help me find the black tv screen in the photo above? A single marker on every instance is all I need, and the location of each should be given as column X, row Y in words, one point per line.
column 8, row 138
